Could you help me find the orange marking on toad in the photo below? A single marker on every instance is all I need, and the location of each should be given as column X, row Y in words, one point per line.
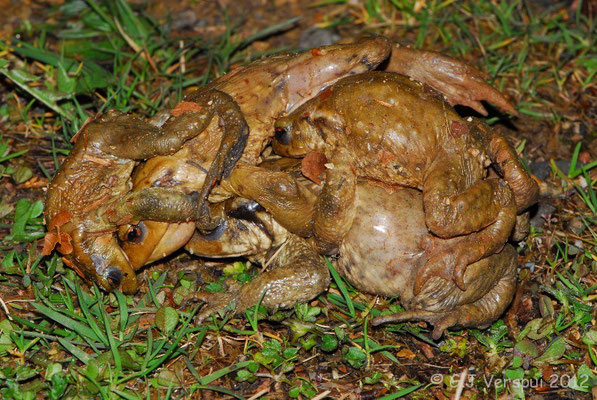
column 458, row 129
column 185, row 107
column 385, row 157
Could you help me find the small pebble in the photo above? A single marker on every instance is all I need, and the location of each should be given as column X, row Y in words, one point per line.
column 317, row 37
column 544, row 210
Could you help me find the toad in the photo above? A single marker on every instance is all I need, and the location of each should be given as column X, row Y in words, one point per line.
column 264, row 90
column 381, row 253
column 389, row 128
column 90, row 194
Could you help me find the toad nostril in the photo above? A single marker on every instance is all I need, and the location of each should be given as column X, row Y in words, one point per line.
column 282, row 136
column 114, row 276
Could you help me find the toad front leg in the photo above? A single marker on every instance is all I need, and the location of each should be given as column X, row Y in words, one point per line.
column 335, row 207
column 295, row 274
column 154, row 141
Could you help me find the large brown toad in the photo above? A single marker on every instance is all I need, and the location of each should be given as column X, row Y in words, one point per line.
column 389, row 128
column 381, row 253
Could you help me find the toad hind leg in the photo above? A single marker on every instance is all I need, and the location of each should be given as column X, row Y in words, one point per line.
column 485, row 211
column 297, row 275
column 458, row 82
column 491, row 286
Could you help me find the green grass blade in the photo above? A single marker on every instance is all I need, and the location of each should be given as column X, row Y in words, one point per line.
column 122, row 309
column 341, row 287
column 75, row 351
column 400, row 393
column 89, row 318
column 126, row 395
column 224, row 371
column 42, row 96
column 113, row 344
column 79, row 328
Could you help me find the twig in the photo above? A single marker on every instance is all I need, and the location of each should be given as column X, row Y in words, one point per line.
column 322, row 395
column 274, row 255
column 5, row 309
column 259, row 394
column 460, row 386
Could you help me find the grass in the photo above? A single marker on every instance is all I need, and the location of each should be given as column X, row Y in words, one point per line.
column 66, row 340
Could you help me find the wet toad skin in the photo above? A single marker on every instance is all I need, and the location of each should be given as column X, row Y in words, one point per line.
column 388, row 128
column 381, row 254
column 264, row 90
column 269, row 88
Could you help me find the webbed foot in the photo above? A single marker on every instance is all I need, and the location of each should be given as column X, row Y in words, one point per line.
column 491, row 283
column 439, row 320
column 447, row 260
column 213, row 302
column 459, row 82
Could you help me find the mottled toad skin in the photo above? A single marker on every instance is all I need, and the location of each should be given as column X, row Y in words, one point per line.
column 165, row 186
column 269, row 88
column 381, row 254
column 388, row 128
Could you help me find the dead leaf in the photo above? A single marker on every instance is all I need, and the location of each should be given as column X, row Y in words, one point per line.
column 35, row 182
column 59, row 219
column 406, row 353
column 427, row 350
column 50, row 241
column 60, row 239
column 584, row 157
column 313, row 165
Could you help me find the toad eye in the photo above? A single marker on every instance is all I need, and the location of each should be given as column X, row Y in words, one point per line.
column 136, row 233
column 282, row 135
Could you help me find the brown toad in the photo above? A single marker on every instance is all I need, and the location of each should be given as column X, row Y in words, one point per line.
column 381, row 253
column 388, row 128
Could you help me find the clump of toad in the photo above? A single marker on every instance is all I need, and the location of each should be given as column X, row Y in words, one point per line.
column 388, row 128
column 90, row 197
